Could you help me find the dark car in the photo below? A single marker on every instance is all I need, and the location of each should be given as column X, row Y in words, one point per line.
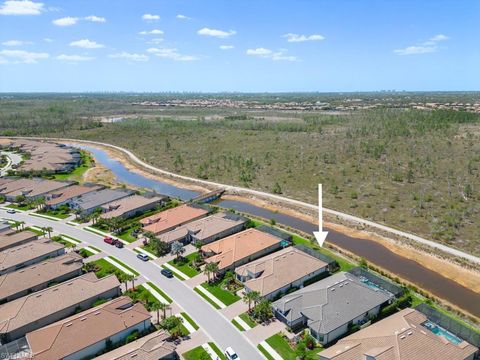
column 167, row 273
column 143, row 257
column 119, row 244
column 109, row 240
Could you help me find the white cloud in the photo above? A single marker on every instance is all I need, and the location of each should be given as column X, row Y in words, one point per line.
column 216, row 33
column 155, row 41
column 226, row 47
column 86, row 44
column 48, row 40
column 429, row 46
column 74, row 58
column 129, row 56
column 15, row 43
column 280, row 55
column 21, row 7
column 302, row 38
column 22, row 57
column 97, row 19
column 183, row 17
column 150, row 17
column 171, row 53
column 151, row 32
column 66, row 21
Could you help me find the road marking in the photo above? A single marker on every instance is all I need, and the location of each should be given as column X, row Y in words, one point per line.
column 117, row 265
column 156, row 294
column 242, row 323
column 211, row 296
column 176, row 271
column 270, row 350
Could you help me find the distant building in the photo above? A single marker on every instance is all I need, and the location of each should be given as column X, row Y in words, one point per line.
column 9, row 239
column 241, row 248
column 39, row 276
column 205, row 230
column 331, row 306
column 406, row 335
column 67, row 196
column 44, row 307
column 155, row 346
column 30, row 188
column 88, row 333
column 170, row 219
column 278, row 272
column 130, row 206
column 91, row 201
column 27, row 254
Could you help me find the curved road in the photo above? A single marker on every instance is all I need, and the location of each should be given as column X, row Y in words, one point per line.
column 211, row 321
column 12, row 158
column 341, row 215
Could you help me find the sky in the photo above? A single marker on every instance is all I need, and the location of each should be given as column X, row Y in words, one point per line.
column 239, row 45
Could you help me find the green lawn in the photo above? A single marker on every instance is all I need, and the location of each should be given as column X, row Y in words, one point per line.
column 105, row 268
column 217, row 351
column 59, row 214
column 165, row 296
column 245, row 317
column 64, row 242
column 264, row 352
column 136, row 273
column 282, row 347
column 223, row 295
column 190, row 320
column 184, row 265
column 125, row 235
column 197, row 353
column 18, row 207
column 142, row 294
column 206, row 298
column 38, row 232
column 95, row 248
column 85, row 253
column 77, row 173
column 237, row 325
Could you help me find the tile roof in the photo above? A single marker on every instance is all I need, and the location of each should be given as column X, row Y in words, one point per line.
column 98, row 198
column 331, row 302
column 127, row 204
column 399, row 337
column 31, row 187
column 39, row 305
column 85, row 329
column 279, row 269
column 171, row 218
column 62, row 195
column 238, row 246
column 11, row 239
column 150, row 347
column 40, row 273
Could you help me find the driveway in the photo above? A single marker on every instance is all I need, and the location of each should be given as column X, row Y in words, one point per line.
column 212, row 322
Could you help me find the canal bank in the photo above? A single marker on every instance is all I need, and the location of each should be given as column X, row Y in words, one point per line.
column 375, row 253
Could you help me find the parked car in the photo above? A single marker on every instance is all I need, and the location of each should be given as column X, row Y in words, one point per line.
column 143, row 257
column 167, row 273
column 119, row 244
column 109, row 240
column 231, row 354
column 11, row 211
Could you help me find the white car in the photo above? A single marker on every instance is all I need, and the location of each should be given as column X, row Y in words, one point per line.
column 231, row 354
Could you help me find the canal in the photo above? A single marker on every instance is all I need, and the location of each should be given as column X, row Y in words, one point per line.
column 372, row 251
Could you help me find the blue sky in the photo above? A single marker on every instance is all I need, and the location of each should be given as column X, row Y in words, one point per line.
column 247, row 45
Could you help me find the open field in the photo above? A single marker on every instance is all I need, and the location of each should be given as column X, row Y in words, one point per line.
column 415, row 170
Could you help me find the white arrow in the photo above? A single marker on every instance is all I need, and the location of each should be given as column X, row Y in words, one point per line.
column 320, row 235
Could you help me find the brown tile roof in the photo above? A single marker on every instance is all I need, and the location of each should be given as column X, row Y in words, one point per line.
column 127, row 204
column 171, row 218
column 37, row 306
column 62, row 195
column 20, row 254
column 32, row 187
column 82, row 330
column 151, row 347
column 11, row 239
column 238, row 246
column 399, row 337
column 279, row 269
column 40, row 273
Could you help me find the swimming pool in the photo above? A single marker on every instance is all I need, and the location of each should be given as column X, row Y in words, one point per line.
column 439, row 331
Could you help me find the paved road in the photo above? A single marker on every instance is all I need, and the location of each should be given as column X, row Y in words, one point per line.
column 12, row 158
column 240, row 190
column 214, row 324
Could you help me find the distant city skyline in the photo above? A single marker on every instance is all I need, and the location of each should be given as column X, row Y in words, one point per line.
column 238, row 46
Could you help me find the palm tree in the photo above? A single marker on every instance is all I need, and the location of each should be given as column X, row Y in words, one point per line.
column 177, row 249
column 22, row 224
column 122, row 277
column 164, row 307
column 157, row 306
column 130, row 277
column 44, row 231
column 249, row 297
column 49, row 230
column 210, row 269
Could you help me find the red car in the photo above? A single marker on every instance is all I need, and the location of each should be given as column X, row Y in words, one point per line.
column 109, row 240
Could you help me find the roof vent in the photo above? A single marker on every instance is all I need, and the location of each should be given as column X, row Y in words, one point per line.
column 97, row 313
column 410, row 333
column 83, row 319
column 402, row 337
column 333, row 289
column 69, row 324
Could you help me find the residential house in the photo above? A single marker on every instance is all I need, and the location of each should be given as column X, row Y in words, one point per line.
column 44, row 307
column 31, row 188
column 170, row 219
column 130, row 206
column 9, row 239
column 406, row 335
column 27, row 254
column 155, row 346
column 279, row 272
column 330, row 307
column 67, row 196
column 88, row 333
column 240, row 248
column 39, row 276
column 91, row 201
column 205, row 230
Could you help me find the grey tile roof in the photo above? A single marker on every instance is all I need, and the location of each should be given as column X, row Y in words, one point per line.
column 98, row 198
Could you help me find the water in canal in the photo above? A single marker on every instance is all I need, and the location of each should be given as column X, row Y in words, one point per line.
column 370, row 250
